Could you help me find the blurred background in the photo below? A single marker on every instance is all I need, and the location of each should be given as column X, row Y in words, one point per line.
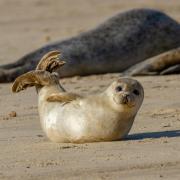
column 28, row 24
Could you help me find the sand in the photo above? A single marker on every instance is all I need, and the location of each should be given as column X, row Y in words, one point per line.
column 151, row 151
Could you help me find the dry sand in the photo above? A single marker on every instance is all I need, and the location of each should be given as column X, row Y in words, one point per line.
column 151, row 151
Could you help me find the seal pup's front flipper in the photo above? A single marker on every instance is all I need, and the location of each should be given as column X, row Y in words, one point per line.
column 62, row 97
column 165, row 63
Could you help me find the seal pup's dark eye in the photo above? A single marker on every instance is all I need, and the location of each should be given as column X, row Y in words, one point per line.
column 118, row 88
column 136, row 92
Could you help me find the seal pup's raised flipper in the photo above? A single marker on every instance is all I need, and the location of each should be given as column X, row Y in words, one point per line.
column 36, row 78
column 50, row 62
column 45, row 75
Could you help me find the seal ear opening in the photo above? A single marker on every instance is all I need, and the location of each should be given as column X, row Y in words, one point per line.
column 36, row 78
column 50, row 62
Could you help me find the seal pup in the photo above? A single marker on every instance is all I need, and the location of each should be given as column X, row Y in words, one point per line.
column 69, row 117
column 114, row 46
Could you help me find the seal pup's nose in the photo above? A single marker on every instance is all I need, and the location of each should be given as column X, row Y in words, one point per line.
column 125, row 98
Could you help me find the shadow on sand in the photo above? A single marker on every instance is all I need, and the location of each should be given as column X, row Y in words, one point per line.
column 140, row 136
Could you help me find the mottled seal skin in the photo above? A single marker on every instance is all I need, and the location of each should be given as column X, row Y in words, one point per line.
column 114, row 46
column 68, row 117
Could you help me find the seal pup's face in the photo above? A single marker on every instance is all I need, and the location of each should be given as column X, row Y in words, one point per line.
column 126, row 94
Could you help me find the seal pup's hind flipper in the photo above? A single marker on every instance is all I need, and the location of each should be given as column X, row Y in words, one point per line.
column 62, row 97
column 50, row 62
column 43, row 75
column 36, row 78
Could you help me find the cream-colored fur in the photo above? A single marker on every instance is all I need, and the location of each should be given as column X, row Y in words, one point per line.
column 69, row 117
column 101, row 117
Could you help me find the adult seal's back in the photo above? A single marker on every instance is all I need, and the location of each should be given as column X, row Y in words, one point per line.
column 114, row 46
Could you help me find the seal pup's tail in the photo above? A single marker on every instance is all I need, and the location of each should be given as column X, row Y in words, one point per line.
column 44, row 75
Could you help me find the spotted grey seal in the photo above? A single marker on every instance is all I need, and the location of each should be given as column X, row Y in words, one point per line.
column 68, row 117
column 114, row 46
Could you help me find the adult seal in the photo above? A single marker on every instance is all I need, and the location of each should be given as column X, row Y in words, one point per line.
column 68, row 117
column 114, row 46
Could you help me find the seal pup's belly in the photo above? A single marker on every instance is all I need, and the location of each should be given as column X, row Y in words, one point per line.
column 79, row 122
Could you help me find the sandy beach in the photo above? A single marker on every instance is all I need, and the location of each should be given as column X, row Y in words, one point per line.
column 151, row 150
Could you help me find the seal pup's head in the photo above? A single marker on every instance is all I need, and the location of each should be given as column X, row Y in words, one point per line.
column 126, row 95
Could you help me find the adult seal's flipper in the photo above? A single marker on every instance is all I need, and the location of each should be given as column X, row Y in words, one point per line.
column 165, row 63
column 171, row 70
